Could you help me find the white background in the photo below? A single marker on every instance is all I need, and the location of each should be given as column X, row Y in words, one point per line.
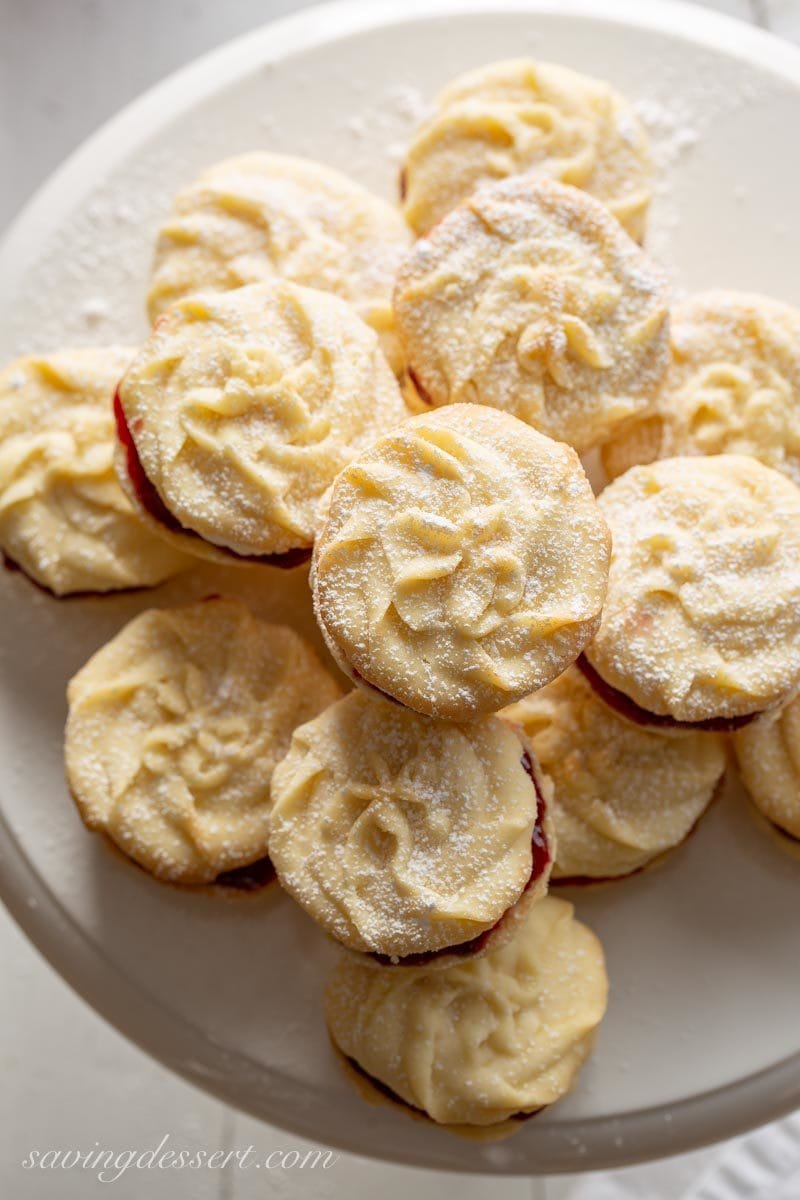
column 66, row 1079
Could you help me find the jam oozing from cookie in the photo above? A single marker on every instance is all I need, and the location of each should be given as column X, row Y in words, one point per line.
column 633, row 712
column 250, row 878
column 152, row 503
column 541, row 856
column 385, row 1091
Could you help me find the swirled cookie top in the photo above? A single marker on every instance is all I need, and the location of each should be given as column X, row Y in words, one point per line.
column 174, row 728
column 484, row 1040
column 401, row 835
column 63, row 516
column 702, row 616
column 260, row 216
column 768, row 754
column 462, row 563
column 623, row 795
column 733, row 386
column 521, row 115
column 244, row 405
column 532, row 298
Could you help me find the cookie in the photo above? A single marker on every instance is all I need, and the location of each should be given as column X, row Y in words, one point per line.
column 486, row 1040
column 174, row 729
column 64, row 520
column 623, row 796
column 259, row 217
column 733, row 386
column 461, row 564
column 522, row 116
column 408, row 839
column 701, row 625
column 240, row 409
column 530, row 297
column 768, row 755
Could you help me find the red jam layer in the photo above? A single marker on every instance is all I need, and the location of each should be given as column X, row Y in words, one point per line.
column 386, row 1091
column 641, row 716
column 151, row 502
column 540, row 860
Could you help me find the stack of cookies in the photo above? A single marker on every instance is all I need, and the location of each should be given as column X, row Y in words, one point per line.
column 544, row 683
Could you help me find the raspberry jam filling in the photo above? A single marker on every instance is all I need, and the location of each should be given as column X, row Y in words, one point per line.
column 540, row 860
column 151, row 502
column 387, row 1092
column 633, row 712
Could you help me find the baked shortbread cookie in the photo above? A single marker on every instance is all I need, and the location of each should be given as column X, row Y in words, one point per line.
column 531, row 297
column 733, row 386
column 521, row 115
column 260, row 216
column 240, row 409
column 623, row 796
column 701, row 625
column 768, row 754
column 64, row 519
column 462, row 562
column 484, row 1041
column 407, row 838
column 174, row 728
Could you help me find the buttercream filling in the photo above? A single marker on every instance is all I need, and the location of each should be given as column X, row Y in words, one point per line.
column 540, row 859
column 153, row 504
column 632, row 711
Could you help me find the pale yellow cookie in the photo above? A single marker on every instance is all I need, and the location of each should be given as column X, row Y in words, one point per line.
column 733, row 386
column 174, row 728
column 462, row 563
column 624, row 796
column 403, row 836
column 520, row 115
column 64, row 519
column 263, row 216
column 484, row 1040
column 768, row 754
column 531, row 297
column 702, row 617
column 242, row 407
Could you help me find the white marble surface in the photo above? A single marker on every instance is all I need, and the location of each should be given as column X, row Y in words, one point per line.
column 67, row 1079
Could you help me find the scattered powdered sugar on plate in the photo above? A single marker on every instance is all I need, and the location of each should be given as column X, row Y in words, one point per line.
column 389, row 120
column 679, row 113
